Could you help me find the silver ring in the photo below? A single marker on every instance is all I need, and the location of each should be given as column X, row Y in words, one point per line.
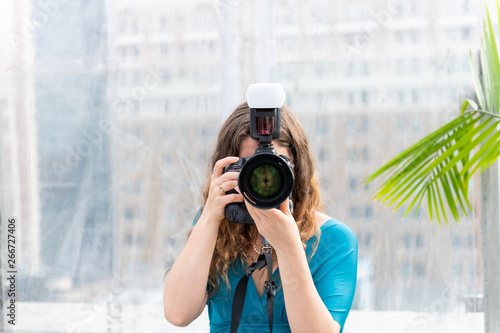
column 220, row 188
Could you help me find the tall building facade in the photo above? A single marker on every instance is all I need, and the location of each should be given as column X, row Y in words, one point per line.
column 19, row 183
column 377, row 77
column 164, row 100
column 73, row 147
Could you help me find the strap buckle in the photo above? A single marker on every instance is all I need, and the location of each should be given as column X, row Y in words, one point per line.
column 270, row 288
column 249, row 270
column 266, row 249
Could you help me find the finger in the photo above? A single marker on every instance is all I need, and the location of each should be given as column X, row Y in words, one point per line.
column 254, row 212
column 220, row 164
column 228, row 185
column 251, row 210
column 227, row 176
column 273, row 212
column 285, row 206
column 235, row 197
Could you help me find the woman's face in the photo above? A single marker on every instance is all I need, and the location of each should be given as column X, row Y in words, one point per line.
column 249, row 145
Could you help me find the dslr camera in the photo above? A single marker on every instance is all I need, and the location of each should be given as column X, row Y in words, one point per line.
column 266, row 178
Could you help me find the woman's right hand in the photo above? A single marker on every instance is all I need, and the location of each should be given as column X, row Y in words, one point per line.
column 185, row 293
column 220, row 183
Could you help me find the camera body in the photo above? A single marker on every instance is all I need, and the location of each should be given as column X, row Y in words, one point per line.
column 266, row 179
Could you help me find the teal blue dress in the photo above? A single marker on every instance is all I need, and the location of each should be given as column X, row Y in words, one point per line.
column 333, row 268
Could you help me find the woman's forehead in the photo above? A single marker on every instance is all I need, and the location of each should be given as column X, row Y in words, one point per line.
column 249, row 145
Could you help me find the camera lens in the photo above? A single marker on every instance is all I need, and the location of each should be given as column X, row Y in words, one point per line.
column 265, row 181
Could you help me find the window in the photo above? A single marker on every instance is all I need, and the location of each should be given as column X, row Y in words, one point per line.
column 140, row 239
column 365, row 125
column 204, row 17
column 419, row 241
column 368, row 241
column 353, row 184
column 401, row 122
column 322, row 155
column 457, row 270
column 355, row 213
column 416, row 123
column 129, row 213
column 137, row 187
column 351, row 126
column 415, row 98
column 321, row 126
column 419, row 270
column 320, row 100
column 164, row 48
column 405, row 270
column 368, row 213
column 128, row 239
column 350, row 98
column 401, row 97
column 406, row 242
column 466, row 33
column 365, row 154
column 129, row 21
column 351, row 155
column 470, row 241
column 164, row 22
column 153, row 83
column 364, row 97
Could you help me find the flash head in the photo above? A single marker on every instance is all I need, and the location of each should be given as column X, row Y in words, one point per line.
column 265, row 96
column 265, row 101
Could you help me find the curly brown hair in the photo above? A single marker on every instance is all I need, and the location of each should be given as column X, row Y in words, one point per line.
column 234, row 238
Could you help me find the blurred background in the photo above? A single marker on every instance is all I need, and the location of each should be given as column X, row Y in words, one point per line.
column 109, row 111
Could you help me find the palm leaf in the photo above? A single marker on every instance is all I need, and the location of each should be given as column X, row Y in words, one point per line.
column 440, row 166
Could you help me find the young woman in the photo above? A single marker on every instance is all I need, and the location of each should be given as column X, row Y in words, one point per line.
column 315, row 256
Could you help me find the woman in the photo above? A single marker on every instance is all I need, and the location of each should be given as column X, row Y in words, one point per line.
column 315, row 256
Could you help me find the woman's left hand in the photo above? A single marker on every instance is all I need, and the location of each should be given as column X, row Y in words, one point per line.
column 276, row 225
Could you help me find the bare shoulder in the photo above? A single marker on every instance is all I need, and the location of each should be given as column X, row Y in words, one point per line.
column 321, row 219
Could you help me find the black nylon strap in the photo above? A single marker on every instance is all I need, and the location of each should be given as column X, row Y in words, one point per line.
column 237, row 310
column 270, row 289
column 264, row 260
column 270, row 305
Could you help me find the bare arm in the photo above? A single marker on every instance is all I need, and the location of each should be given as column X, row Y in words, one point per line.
column 185, row 293
column 305, row 309
column 185, row 290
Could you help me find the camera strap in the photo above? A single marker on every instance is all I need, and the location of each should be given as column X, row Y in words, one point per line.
column 265, row 259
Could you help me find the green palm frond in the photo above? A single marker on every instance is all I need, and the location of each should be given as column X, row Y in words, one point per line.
column 440, row 166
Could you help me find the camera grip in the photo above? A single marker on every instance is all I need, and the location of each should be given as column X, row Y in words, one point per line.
column 237, row 212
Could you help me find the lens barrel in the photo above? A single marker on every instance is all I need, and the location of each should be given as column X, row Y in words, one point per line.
column 266, row 180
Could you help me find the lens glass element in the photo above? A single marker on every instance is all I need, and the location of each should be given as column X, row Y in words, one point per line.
column 265, row 181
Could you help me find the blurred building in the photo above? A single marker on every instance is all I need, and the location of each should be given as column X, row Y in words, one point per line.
column 378, row 77
column 365, row 78
column 19, row 185
column 73, row 147
column 164, row 96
